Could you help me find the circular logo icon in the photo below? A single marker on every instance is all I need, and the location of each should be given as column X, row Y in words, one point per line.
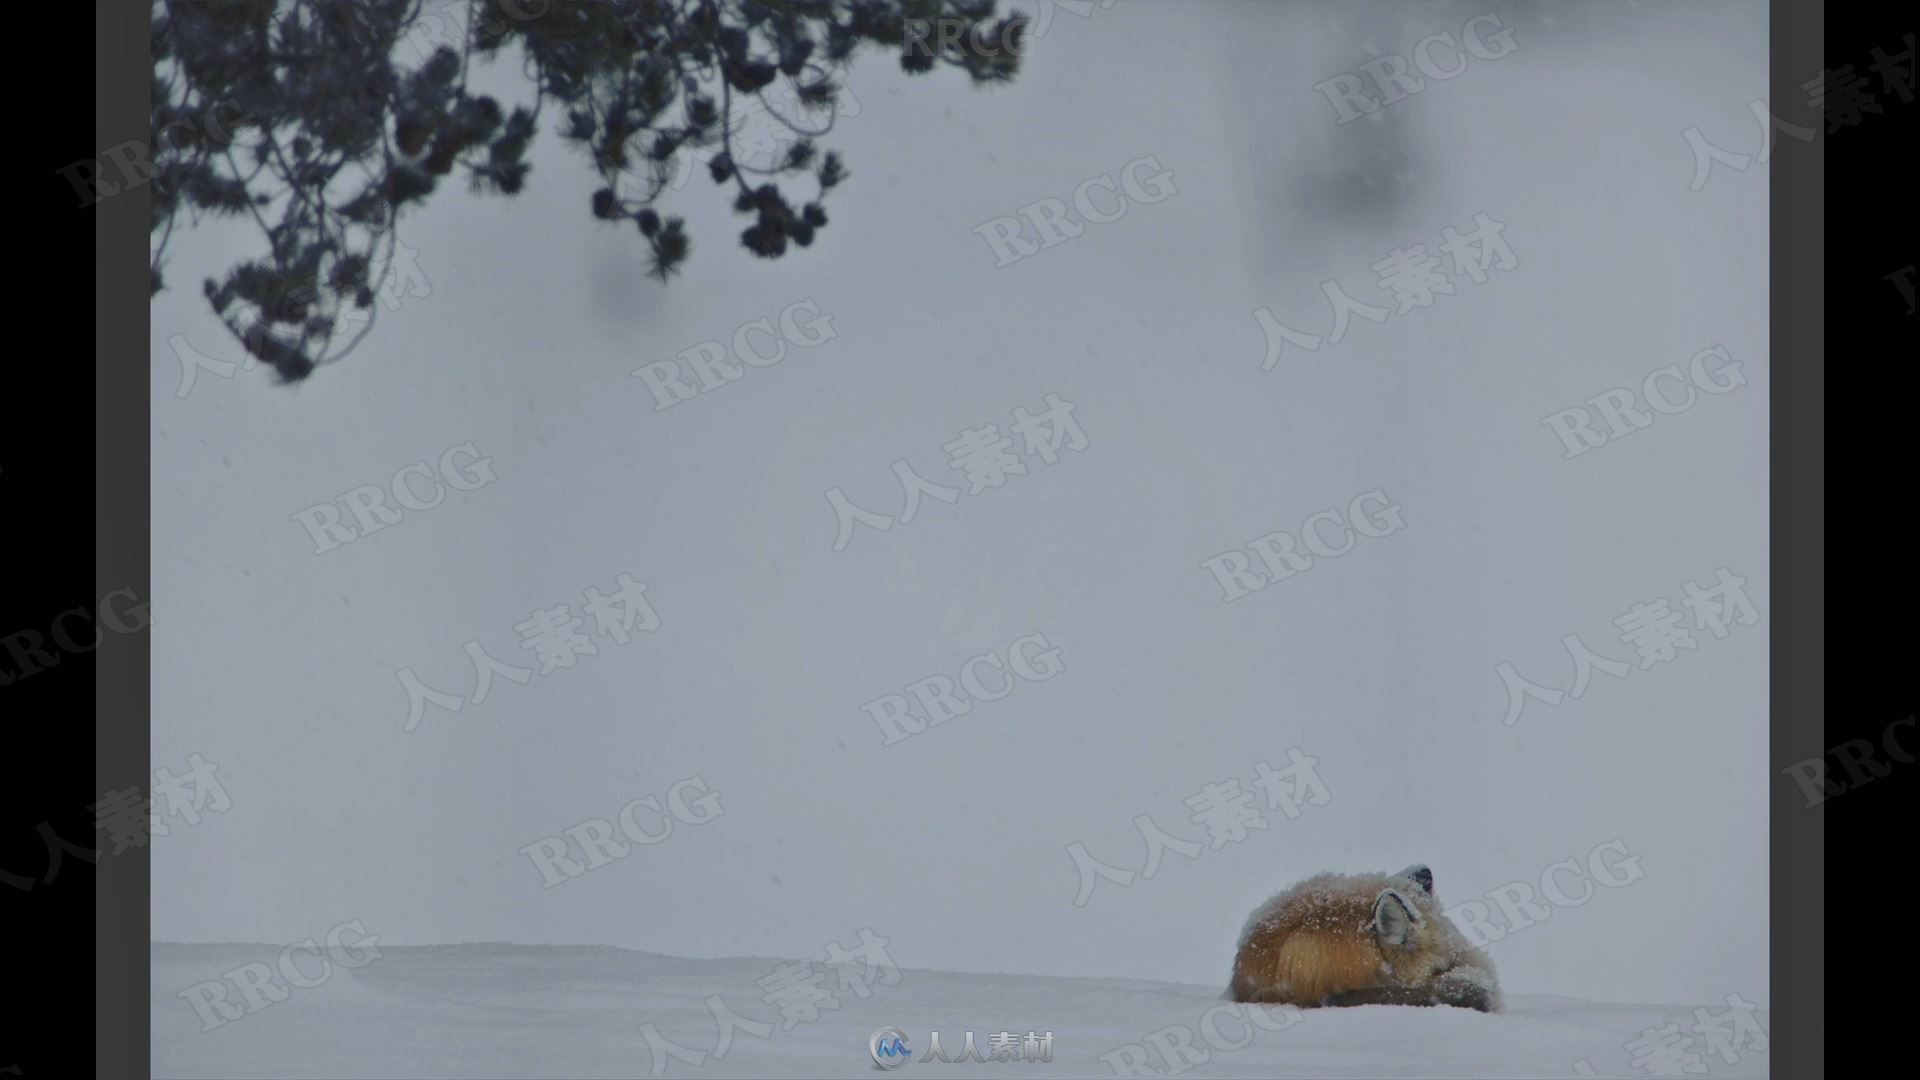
column 889, row 1048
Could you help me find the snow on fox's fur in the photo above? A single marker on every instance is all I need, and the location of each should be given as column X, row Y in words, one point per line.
column 1361, row 939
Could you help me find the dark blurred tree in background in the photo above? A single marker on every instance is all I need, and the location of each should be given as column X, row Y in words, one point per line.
column 305, row 116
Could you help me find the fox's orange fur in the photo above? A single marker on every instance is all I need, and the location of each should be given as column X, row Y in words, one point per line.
column 1360, row 939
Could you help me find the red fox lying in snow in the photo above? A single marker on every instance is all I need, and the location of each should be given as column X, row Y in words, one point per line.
column 1360, row 939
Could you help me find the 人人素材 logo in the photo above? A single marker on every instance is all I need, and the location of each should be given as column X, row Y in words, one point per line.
column 890, row 1051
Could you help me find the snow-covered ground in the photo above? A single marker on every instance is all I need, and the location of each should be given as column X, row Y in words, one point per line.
column 526, row 1011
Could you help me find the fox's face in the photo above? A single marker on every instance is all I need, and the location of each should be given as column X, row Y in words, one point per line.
column 1420, row 944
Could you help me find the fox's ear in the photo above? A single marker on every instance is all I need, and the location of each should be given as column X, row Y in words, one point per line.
column 1394, row 917
column 1420, row 875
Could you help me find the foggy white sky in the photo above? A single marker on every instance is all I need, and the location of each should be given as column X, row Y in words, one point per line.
column 279, row 665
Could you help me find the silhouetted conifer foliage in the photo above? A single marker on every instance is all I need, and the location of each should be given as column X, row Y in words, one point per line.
column 308, row 117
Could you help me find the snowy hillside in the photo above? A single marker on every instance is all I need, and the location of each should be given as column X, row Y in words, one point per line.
column 521, row 1011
